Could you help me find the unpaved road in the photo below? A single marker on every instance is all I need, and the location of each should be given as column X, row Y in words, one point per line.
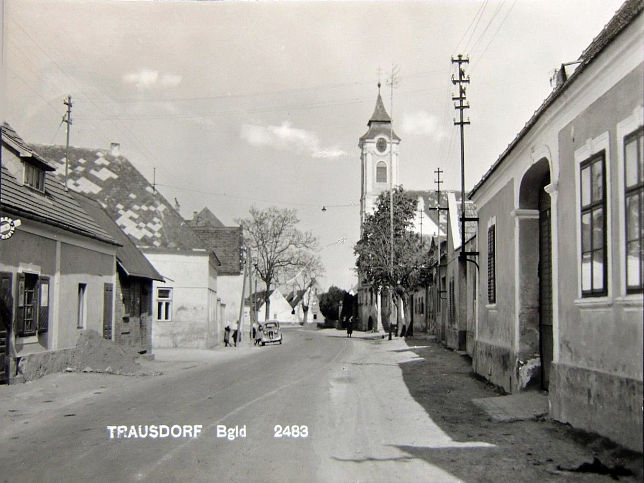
column 356, row 421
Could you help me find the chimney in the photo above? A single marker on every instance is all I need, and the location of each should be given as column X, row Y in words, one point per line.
column 115, row 149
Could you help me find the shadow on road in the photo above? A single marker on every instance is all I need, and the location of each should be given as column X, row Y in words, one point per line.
column 444, row 384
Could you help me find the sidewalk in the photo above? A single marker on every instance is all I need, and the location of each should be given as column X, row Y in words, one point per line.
column 528, row 445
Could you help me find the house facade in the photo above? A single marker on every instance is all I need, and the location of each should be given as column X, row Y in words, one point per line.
column 559, row 303
column 186, row 308
column 57, row 267
column 133, row 287
column 227, row 243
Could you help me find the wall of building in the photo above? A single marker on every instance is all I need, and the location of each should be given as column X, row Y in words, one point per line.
column 67, row 260
column 494, row 354
column 597, row 380
column 189, row 274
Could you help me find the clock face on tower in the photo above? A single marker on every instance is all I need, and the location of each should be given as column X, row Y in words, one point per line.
column 381, row 145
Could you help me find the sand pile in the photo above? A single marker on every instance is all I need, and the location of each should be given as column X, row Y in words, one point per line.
column 95, row 354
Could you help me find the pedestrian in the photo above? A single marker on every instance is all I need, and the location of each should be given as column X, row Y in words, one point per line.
column 258, row 335
column 236, row 333
column 350, row 326
column 227, row 336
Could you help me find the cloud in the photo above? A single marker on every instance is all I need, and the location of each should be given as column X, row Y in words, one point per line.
column 422, row 123
column 147, row 78
column 288, row 138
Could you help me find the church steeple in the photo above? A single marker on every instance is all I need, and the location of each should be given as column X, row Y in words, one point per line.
column 379, row 113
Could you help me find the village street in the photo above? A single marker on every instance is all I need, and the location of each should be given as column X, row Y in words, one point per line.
column 362, row 422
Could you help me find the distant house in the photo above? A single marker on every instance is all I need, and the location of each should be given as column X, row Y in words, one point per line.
column 458, row 272
column 186, row 306
column 135, row 275
column 57, row 270
column 281, row 309
column 559, row 305
column 226, row 242
column 305, row 303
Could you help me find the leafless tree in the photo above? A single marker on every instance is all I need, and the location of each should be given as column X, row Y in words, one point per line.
column 277, row 246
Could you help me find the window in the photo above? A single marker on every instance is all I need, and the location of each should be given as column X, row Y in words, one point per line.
column 491, row 265
column 593, row 227
column 82, row 306
column 27, row 304
column 381, row 172
column 34, row 177
column 164, row 304
column 634, row 203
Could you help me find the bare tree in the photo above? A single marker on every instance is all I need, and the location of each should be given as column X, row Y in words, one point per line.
column 277, row 246
column 304, row 279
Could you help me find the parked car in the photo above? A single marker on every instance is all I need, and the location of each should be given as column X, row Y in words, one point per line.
column 271, row 333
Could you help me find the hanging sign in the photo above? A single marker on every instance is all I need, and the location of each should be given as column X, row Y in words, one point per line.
column 8, row 227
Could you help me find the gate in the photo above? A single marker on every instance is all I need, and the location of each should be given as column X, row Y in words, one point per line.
column 545, row 288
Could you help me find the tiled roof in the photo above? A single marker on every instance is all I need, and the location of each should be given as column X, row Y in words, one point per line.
column 379, row 112
column 205, row 218
column 622, row 18
column 55, row 206
column 139, row 210
column 379, row 123
column 129, row 257
column 225, row 241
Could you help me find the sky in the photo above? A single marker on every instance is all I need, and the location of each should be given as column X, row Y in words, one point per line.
column 229, row 105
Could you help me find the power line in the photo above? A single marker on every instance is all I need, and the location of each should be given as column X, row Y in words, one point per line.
column 478, row 59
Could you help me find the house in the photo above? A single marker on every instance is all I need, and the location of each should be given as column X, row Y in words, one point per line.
column 305, row 303
column 227, row 243
column 281, row 310
column 135, row 275
column 57, row 269
column 559, row 304
column 460, row 267
column 186, row 305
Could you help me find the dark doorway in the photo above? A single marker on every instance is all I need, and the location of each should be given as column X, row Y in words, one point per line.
column 6, row 304
column 108, row 290
column 545, row 285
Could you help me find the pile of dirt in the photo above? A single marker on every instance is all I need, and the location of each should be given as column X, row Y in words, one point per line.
column 95, row 354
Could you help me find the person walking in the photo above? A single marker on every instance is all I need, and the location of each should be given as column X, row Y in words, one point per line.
column 227, row 336
column 350, row 326
column 236, row 333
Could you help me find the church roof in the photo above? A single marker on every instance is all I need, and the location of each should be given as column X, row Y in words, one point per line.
column 379, row 113
column 379, row 123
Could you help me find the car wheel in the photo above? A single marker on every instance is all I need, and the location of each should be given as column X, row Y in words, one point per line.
column 263, row 344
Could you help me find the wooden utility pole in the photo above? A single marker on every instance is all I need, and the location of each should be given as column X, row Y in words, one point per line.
column 67, row 119
column 241, row 302
column 461, row 104
column 393, row 81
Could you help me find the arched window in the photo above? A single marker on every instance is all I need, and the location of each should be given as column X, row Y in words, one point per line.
column 381, row 172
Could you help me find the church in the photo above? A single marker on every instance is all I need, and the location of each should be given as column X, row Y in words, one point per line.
column 379, row 156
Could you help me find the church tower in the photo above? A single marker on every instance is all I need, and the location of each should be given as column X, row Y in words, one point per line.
column 379, row 158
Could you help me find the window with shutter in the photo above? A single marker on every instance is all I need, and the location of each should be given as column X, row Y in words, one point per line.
column 43, row 311
column 491, row 265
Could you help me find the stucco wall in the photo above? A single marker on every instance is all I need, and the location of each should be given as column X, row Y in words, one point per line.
column 190, row 276
column 494, row 353
column 598, row 378
column 81, row 265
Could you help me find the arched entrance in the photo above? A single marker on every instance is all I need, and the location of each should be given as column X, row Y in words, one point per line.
column 535, row 277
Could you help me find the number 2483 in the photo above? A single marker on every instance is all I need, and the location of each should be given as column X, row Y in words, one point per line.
column 292, row 431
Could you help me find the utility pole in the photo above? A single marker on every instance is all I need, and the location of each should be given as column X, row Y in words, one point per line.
column 439, row 208
column 393, row 81
column 461, row 104
column 67, row 119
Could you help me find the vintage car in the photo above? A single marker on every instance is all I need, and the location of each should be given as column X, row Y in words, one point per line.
column 271, row 333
